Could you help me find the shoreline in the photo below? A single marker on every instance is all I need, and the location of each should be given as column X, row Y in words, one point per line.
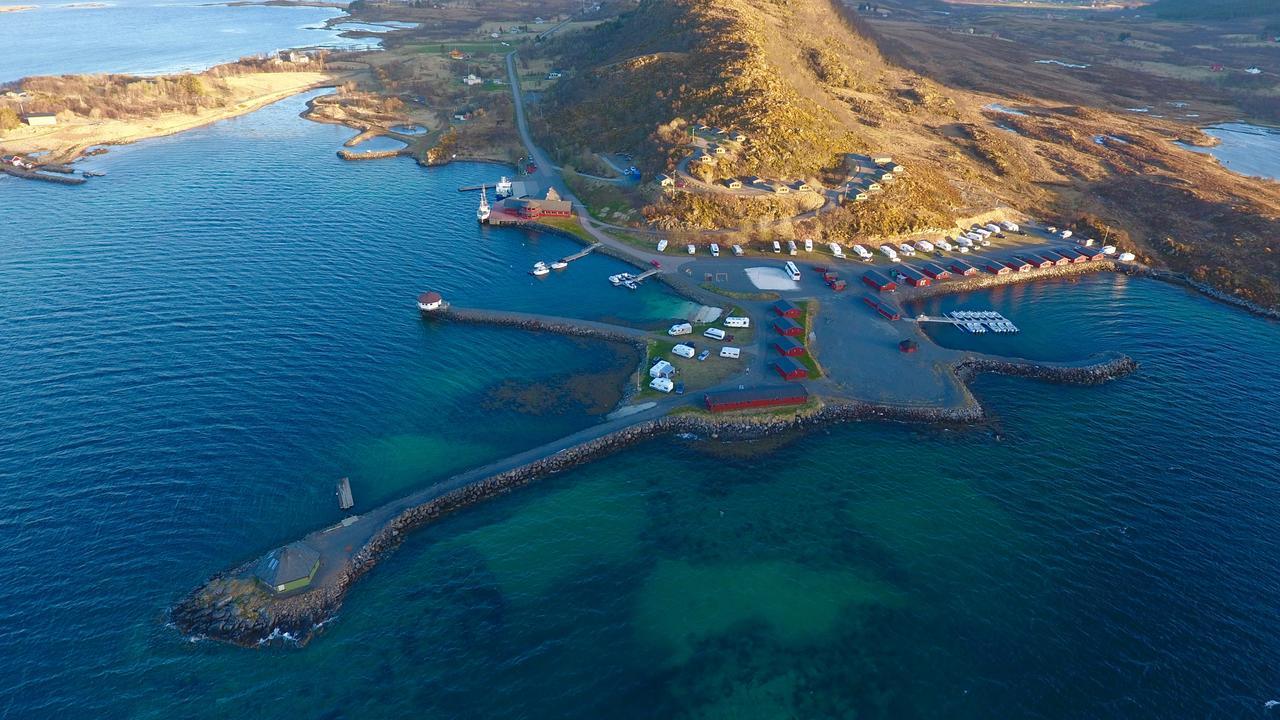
column 230, row 608
column 69, row 143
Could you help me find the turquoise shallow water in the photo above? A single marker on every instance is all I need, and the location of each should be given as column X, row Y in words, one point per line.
column 196, row 346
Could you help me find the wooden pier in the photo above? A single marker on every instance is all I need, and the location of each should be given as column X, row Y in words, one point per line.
column 646, row 274
column 581, row 253
column 345, row 500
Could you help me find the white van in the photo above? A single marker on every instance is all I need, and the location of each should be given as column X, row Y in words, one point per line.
column 714, row 333
column 808, row 244
column 836, row 250
column 662, row 384
column 737, row 250
column 680, row 329
column 730, row 352
column 715, row 250
column 682, row 350
column 692, row 249
column 737, row 322
column 662, row 245
column 777, row 246
column 793, row 271
column 791, row 247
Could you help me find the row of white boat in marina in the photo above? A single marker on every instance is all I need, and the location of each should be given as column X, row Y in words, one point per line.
column 626, row 280
column 981, row 321
column 541, row 268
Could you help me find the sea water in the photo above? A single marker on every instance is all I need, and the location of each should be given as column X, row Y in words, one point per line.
column 196, row 346
column 149, row 38
column 1244, row 148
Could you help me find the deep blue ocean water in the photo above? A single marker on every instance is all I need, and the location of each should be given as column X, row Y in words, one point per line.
column 195, row 347
column 150, row 37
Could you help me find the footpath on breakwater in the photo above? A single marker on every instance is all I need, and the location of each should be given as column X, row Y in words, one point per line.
column 233, row 607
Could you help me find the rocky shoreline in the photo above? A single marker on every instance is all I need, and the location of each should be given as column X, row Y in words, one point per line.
column 230, row 608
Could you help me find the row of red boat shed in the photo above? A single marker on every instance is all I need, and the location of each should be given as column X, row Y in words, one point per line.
column 929, row 272
column 787, row 345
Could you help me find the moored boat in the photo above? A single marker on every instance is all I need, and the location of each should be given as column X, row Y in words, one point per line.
column 482, row 212
column 539, row 269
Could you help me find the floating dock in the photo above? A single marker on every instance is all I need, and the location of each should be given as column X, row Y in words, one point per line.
column 345, row 500
column 581, row 253
column 974, row 321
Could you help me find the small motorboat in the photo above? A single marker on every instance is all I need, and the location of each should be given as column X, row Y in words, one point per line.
column 559, row 265
column 539, row 269
column 630, row 284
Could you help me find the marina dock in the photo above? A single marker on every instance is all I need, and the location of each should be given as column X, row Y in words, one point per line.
column 974, row 321
column 581, row 253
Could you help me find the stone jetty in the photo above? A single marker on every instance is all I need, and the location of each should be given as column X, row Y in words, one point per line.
column 233, row 607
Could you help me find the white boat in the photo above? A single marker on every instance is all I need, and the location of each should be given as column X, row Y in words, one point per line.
column 559, row 265
column 539, row 269
column 808, row 244
column 482, row 212
column 616, row 279
column 662, row 245
column 715, row 250
column 630, row 284
column 502, row 189
column 692, row 249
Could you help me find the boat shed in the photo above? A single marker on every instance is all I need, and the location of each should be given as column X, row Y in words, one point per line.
column 788, row 327
column 1018, row 265
column 1035, row 260
column 787, row 309
column 911, row 276
column 1056, row 257
column 997, row 268
column 788, row 346
column 288, row 568
column 961, row 267
column 790, row 369
column 1093, row 253
column 878, row 281
column 935, row 271
column 756, row 398
column 1075, row 255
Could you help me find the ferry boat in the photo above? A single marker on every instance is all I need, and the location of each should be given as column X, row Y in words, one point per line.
column 482, row 212
column 539, row 269
column 502, row 190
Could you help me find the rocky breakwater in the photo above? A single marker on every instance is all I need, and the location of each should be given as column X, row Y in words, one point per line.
column 986, row 280
column 1095, row 371
column 545, row 323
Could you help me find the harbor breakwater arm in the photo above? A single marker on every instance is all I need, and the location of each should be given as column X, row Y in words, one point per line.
column 545, row 323
column 232, row 607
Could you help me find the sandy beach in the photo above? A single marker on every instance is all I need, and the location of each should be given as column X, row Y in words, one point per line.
column 68, row 140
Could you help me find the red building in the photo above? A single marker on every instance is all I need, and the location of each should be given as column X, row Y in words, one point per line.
column 961, row 267
column 878, row 281
column 790, row 369
column 997, row 268
column 756, row 398
column 1018, row 265
column 788, row 327
column 786, row 309
column 534, row 208
column 788, row 346
column 935, row 271
column 1036, row 261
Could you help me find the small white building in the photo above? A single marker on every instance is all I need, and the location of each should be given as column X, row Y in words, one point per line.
column 40, row 119
column 665, row 180
column 472, row 79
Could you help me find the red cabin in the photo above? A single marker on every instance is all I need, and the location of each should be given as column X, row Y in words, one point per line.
column 878, row 281
column 789, row 369
column 1036, row 261
column 997, row 268
column 788, row 347
column 1018, row 265
column 937, row 272
column 788, row 327
column 960, row 267
column 786, row 309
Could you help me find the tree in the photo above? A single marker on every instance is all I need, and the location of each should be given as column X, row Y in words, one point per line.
column 9, row 119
